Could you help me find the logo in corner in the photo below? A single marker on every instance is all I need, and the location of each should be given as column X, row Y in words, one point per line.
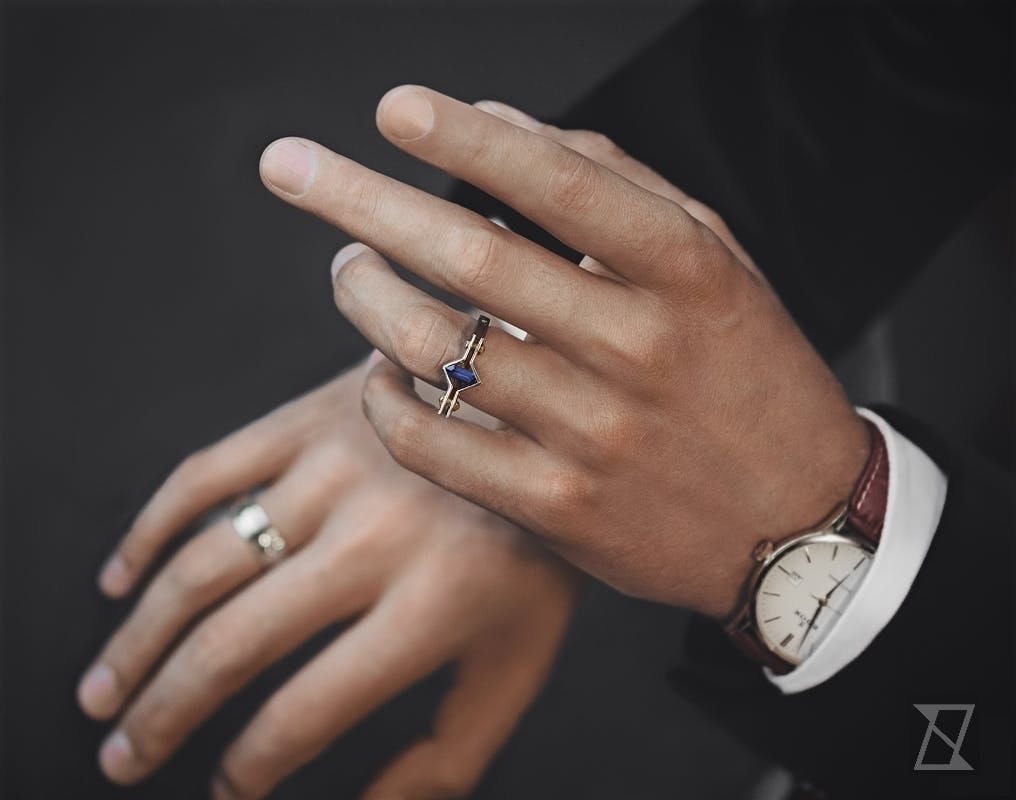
column 956, row 762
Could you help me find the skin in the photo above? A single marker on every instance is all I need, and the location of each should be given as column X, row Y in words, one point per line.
column 667, row 416
column 422, row 577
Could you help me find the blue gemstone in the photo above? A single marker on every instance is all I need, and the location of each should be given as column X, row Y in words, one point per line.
column 461, row 375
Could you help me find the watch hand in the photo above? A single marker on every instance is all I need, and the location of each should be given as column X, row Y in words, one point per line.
column 822, row 603
column 834, row 610
column 837, row 586
column 811, row 625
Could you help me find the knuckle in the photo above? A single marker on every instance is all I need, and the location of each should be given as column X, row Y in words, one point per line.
column 352, row 274
column 210, row 654
column 476, row 249
column 564, row 492
column 330, row 468
column 232, row 783
column 279, row 735
column 454, row 780
column 610, row 430
column 705, row 215
column 405, row 437
column 150, row 729
column 334, row 558
column 706, row 275
column 483, row 149
column 363, row 195
column 421, row 341
column 599, row 144
column 186, row 576
column 646, row 352
column 192, row 470
column 375, row 385
column 644, row 349
column 573, row 184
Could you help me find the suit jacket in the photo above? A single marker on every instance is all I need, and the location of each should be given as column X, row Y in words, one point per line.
column 843, row 144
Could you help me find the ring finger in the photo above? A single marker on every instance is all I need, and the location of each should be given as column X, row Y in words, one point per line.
column 205, row 569
column 252, row 630
column 422, row 334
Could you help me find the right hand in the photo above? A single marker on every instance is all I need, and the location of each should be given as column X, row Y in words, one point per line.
column 424, row 577
column 670, row 417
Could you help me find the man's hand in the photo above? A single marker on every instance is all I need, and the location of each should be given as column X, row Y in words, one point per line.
column 423, row 577
column 669, row 414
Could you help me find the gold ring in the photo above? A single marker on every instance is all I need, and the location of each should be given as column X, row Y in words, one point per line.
column 461, row 374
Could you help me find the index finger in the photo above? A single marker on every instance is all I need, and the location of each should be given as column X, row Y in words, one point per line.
column 449, row 246
column 586, row 205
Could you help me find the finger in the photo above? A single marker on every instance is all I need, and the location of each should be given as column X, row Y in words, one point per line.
column 591, row 208
column 228, row 648
column 422, row 335
column 500, row 468
column 596, row 146
column 494, row 686
column 391, row 648
column 246, row 458
column 601, row 149
column 206, row 568
column 452, row 248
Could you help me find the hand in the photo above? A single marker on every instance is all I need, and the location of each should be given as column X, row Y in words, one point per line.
column 424, row 578
column 670, row 414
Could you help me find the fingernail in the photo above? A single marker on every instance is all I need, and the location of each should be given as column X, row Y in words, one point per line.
column 374, row 357
column 507, row 112
column 116, row 757
column 288, row 165
column 114, row 578
column 97, row 692
column 347, row 253
column 406, row 113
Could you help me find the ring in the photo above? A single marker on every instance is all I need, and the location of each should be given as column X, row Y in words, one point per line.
column 461, row 374
column 251, row 524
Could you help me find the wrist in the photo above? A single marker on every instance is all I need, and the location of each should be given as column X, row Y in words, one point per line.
column 804, row 501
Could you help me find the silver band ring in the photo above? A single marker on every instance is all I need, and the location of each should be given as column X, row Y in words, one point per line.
column 251, row 524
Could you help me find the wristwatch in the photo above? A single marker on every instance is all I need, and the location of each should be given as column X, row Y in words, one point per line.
column 800, row 587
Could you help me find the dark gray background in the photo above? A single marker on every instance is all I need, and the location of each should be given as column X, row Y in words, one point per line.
column 156, row 297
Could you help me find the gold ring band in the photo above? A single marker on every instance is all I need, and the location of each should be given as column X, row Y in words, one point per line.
column 461, row 374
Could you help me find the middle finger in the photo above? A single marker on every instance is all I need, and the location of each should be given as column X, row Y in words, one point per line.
column 451, row 247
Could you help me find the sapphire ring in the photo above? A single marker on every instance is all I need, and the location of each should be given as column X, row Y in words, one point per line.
column 461, row 374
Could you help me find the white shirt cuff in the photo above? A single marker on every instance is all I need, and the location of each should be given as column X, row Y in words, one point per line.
column 917, row 489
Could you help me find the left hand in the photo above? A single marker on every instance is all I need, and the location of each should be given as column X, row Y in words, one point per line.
column 421, row 577
column 670, row 415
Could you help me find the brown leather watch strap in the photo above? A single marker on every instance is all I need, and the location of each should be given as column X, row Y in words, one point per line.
column 866, row 508
column 865, row 515
column 743, row 635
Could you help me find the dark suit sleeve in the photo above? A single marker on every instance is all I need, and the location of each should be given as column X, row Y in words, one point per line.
column 842, row 143
column 857, row 734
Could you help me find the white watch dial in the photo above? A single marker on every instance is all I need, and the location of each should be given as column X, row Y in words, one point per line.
column 804, row 592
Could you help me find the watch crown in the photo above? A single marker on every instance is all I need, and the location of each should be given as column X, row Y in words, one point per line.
column 762, row 551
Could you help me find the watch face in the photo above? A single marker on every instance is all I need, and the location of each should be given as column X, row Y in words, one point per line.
column 804, row 591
